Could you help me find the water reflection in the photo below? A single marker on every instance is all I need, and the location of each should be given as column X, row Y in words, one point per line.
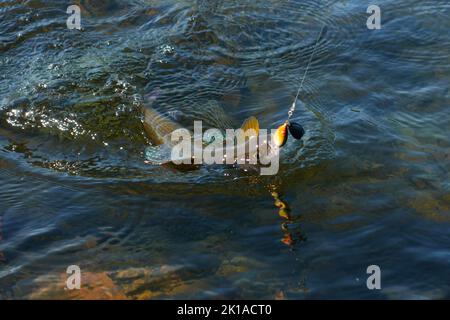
column 292, row 231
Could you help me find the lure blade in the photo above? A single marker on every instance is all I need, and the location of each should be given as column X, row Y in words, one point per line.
column 296, row 130
column 280, row 136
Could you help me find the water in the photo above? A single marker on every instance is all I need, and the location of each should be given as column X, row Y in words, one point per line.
column 369, row 183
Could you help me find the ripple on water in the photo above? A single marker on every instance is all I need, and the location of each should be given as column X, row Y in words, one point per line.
column 369, row 179
column 203, row 52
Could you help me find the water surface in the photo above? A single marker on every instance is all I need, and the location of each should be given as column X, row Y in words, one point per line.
column 369, row 183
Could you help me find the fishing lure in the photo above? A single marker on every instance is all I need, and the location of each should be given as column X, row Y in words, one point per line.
column 281, row 134
column 295, row 129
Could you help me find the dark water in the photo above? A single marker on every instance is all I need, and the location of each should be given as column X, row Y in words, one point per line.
column 369, row 183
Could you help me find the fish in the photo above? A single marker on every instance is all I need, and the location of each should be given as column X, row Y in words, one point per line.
column 251, row 124
column 159, row 128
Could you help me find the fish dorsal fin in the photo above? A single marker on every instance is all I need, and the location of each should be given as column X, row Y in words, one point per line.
column 251, row 123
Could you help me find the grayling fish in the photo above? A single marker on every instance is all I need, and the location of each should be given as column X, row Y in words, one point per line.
column 159, row 129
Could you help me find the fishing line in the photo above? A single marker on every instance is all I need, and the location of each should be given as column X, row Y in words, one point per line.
column 292, row 109
column 295, row 129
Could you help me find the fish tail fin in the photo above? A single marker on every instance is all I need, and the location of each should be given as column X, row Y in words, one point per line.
column 251, row 123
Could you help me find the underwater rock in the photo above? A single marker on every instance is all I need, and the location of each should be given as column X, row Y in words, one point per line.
column 280, row 295
column 435, row 208
column 165, row 281
column 237, row 264
column 133, row 273
column 98, row 286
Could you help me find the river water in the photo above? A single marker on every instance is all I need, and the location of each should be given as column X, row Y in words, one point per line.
column 367, row 185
